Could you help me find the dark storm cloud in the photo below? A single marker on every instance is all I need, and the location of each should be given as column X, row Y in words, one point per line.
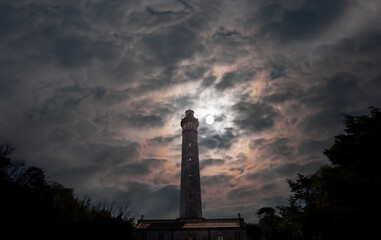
column 310, row 146
column 277, row 200
column 297, row 23
column 103, row 153
column 339, row 91
column 277, row 70
column 213, row 180
column 208, row 81
column 281, row 147
column 211, row 140
column 163, row 202
column 226, row 46
column 79, row 51
column 163, row 140
column 158, row 14
column 151, row 11
column 211, row 162
column 362, row 50
column 92, row 162
column 153, row 203
column 68, row 97
column 172, row 45
column 169, row 76
column 73, row 176
column 53, row 30
column 144, row 167
column 274, row 149
column 240, row 169
column 242, row 192
column 230, row 79
column 241, row 158
column 7, row 81
column 285, row 170
column 355, row 77
column 246, row 191
column 225, row 37
column 210, row 143
column 281, row 92
column 254, row 116
column 330, row 99
column 142, row 120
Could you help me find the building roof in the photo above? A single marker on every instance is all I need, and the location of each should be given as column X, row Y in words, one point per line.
column 189, row 224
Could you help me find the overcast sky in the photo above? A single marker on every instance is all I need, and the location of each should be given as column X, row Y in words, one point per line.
column 93, row 92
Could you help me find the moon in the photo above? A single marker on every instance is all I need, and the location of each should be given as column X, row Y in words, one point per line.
column 209, row 119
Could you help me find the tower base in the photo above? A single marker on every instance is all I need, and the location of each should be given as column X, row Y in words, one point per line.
column 191, row 229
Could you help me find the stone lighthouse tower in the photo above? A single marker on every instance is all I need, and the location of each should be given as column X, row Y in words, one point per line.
column 190, row 191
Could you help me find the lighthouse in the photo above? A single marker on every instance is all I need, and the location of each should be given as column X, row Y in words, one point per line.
column 190, row 190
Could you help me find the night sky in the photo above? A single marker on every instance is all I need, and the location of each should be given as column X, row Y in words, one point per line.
column 93, row 93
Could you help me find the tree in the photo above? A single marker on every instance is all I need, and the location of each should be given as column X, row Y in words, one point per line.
column 269, row 223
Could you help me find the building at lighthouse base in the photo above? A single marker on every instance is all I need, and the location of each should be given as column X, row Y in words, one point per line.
column 191, row 229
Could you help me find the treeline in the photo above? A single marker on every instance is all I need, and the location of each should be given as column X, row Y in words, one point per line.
column 33, row 207
column 339, row 201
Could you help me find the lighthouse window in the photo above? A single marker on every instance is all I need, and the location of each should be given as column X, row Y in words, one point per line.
column 190, row 159
column 190, row 144
column 190, row 175
column 220, row 236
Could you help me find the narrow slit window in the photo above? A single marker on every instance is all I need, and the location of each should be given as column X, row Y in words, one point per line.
column 190, row 159
column 220, row 236
column 190, row 144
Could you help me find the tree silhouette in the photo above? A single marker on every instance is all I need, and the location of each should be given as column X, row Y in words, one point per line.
column 33, row 207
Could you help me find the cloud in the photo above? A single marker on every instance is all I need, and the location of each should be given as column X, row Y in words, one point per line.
column 211, row 162
column 93, row 92
column 153, row 203
column 142, row 120
column 254, row 116
column 285, row 170
column 298, row 22
column 230, row 79
column 172, row 44
column 215, row 180
column 274, row 149
column 162, row 140
column 242, row 193
column 220, row 140
column 310, row 146
column 208, row 81
column 142, row 168
column 281, row 92
column 79, row 177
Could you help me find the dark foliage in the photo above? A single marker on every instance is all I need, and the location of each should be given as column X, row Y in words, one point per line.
column 339, row 201
column 32, row 207
column 253, row 231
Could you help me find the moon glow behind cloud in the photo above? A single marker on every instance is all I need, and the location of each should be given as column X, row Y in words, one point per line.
column 209, row 119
